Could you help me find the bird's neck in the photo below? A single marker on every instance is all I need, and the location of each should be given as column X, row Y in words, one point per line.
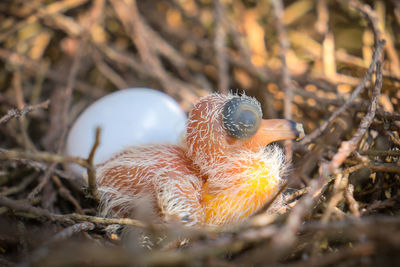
column 239, row 185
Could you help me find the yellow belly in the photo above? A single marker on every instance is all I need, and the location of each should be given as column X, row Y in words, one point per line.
column 245, row 197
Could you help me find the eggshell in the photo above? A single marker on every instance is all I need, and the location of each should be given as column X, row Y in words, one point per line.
column 127, row 117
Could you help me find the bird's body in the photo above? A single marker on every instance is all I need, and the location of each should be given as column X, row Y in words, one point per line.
column 221, row 174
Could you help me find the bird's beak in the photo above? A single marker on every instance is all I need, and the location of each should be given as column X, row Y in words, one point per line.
column 275, row 130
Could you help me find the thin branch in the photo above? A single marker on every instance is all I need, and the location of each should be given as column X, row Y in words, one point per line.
column 286, row 79
column 347, row 147
column 41, row 156
column 317, row 132
column 24, row 206
column 381, row 153
column 66, row 194
column 91, row 169
column 16, row 113
column 220, row 48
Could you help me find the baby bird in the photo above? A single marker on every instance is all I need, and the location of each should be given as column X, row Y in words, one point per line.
column 222, row 173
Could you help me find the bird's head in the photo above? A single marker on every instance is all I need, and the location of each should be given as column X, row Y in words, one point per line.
column 220, row 126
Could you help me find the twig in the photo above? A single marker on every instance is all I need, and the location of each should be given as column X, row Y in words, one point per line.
column 381, row 153
column 91, row 170
column 371, row 15
column 220, row 48
column 284, row 46
column 286, row 77
column 41, row 156
column 341, row 182
column 60, row 6
column 26, row 207
column 23, row 122
column 71, row 230
column 296, row 194
column 23, row 206
column 68, row 94
column 43, row 181
column 64, row 234
column 328, row 43
column 19, row 187
column 32, row 66
column 353, row 204
column 108, row 71
column 381, row 205
column 286, row 236
column 347, row 147
column 337, row 257
column 129, row 15
column 16, row 113
column 391, row 116
column 384, row 167
column 317, row 132
column 65, row 193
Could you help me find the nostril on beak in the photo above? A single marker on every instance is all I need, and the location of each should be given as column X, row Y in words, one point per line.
column 298, row 129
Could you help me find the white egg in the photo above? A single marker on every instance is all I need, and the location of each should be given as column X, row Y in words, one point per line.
column 127, row 117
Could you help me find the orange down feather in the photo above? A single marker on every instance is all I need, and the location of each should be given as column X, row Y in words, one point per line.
column 222, row 173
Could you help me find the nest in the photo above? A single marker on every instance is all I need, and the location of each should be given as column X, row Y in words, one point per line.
column 331, row 65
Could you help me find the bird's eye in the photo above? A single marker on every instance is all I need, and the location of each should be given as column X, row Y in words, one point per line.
column 241, row 117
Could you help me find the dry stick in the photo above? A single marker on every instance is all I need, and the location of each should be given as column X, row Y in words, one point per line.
column 108, row 72
column 64, row 234
column 59, row 6
column 38, row 166
column 20, row 187
column 391, row 116
column 286, row 78
column 146, row 71
column 305, row 190
column 341, row 182
column 286, row 236
column 328, row 43
column 34, row 66
column 43, row 181
column 68, row 92
column 69, row 89
column 353, row 204
column 220, row 48
column 16, row 113
column 371, row 16
column 66, row 194
column 317, row 132
column 71, row 81
column 25, row 207
column 165, row 48
column 22, row 121
column 135, row 26
column 344, row 253
column 353, row 228
column 71, row 230
column 347, row 147
column 91, row 170
column 41, row 156
column 381, row 153
column 381, row 205
column 339, row 187
column 384, row 167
